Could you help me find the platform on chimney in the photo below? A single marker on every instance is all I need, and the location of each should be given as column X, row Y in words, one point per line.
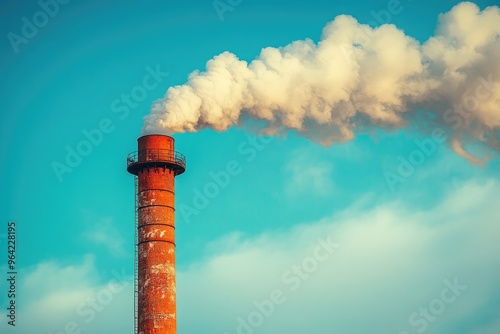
column 136, row 161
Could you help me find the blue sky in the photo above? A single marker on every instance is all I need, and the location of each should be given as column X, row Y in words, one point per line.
column 398, row 245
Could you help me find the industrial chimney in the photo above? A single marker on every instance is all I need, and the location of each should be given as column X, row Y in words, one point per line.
column 155, row 166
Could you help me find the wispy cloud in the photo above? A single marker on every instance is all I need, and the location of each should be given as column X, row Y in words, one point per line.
column 54, row 297
column 393, row 260
column 307, row 174
column 103, row 232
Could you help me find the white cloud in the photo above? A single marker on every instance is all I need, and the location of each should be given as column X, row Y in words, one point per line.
column 103, row 232
column 392, row 261
column 307, row 175
column 52, row 296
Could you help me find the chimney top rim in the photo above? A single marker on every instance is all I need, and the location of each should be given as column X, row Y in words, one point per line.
column 156, row 135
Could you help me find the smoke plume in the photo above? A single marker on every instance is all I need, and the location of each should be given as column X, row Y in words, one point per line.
column 356, row 78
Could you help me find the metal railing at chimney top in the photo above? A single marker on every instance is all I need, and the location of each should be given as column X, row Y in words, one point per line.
column 156, row 155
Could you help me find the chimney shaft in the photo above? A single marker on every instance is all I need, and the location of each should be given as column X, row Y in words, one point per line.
column 155, row 165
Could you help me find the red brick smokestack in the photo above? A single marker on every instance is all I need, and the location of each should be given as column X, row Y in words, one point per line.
column 155, row 165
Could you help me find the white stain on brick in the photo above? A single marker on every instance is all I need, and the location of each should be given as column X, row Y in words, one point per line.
column 162, row 268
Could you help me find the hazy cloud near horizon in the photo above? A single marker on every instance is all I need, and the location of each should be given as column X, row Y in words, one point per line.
column 391, row 260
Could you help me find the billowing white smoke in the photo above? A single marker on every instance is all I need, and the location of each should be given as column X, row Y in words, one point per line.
column 354, row 79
